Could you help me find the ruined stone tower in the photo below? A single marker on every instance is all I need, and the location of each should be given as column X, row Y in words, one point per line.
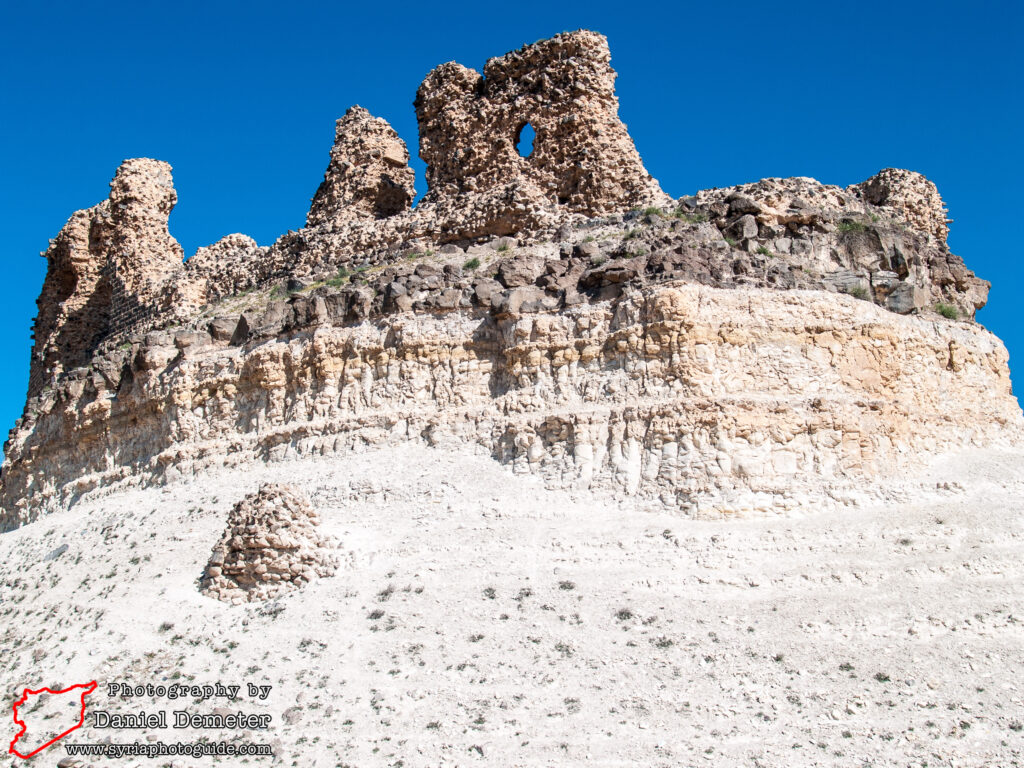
column 143, row 256
column 583, row 158
column 369, row 174
column 106, row 269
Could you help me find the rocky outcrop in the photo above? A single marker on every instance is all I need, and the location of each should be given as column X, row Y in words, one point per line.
column 707, row 400
column 883, row 239
column 271, row 545
column 115, row 270
column 908, row 197
column 369, row 175
column 743, row 349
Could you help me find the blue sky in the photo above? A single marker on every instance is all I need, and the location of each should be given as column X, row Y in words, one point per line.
column 241, row 99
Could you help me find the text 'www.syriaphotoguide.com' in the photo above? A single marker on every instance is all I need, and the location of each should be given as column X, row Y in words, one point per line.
column 162, row 749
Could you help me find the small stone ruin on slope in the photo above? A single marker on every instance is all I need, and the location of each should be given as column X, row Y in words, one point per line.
column 271, row 545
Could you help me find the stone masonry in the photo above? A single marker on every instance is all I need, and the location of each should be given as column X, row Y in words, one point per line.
column 107, row 269
column 910, row 197
column 369, row 174
column 583, row 159
column 271, row 545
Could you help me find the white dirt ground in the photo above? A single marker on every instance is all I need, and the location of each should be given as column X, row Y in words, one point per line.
column 479, row 619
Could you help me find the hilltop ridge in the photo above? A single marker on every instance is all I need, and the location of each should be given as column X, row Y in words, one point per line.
column 569, row 262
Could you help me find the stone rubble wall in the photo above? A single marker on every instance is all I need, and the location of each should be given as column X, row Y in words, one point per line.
column 710, row 401
column 910, row 197
column 217, row 271
column 583, row 158
column 369, row 175
column 74, row 304
column 271, row 545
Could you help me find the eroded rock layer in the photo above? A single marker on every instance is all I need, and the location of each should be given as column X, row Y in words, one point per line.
column 709, row 399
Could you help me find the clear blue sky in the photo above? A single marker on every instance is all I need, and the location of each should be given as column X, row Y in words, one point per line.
column 241, row 99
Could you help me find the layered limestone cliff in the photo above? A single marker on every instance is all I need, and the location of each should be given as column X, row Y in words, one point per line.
column 710, row 399
column 744, row 349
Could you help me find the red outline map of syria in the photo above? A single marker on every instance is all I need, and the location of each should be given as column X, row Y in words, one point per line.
column 86, row 689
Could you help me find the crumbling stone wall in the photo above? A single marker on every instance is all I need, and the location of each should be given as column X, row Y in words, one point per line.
column 368, row 175
column 108, row 268
column 583, row 158
column 229, row 266
column 74, row 304
column 910, row 197
column 143, row 256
